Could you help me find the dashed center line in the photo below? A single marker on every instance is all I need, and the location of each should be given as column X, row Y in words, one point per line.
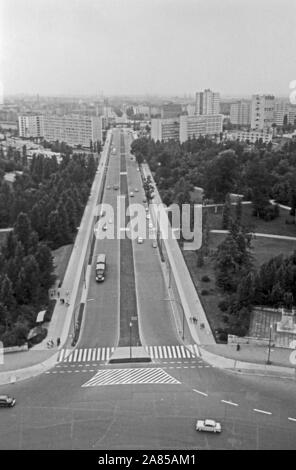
column 201, row 393
column 230, row 403
column 262, row 411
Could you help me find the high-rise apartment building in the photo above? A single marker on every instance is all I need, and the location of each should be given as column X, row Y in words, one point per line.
column 30, row 125
column 262, row 111
column 165, row 129
column 240, row 113
column 197, row 125
column 207, row 102
column 73, row 129
column 281, row 111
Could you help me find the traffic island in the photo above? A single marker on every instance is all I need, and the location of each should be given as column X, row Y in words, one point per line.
column 129, row 354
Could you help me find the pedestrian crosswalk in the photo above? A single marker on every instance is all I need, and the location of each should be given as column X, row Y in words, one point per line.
column 131, row 376
column 104, row 354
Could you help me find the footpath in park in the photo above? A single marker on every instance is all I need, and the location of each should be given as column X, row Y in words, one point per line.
column 25, row 364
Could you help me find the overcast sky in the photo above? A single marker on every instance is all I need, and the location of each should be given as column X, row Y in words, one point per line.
column 147, row 46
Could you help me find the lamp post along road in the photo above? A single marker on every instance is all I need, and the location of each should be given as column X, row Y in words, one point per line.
column 269, row 345
column 130, row 325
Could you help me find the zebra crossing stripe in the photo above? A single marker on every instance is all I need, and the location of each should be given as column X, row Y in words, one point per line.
column 160, row 352
column 178, row 351
column 80, row 355
column 103, row 354
column 94, row 355
column 89, row 354
column 84, row 355
column 174, row 352
column 196, row 350
column 131, row 376
column 98, row 354
column 61, row 355
column 75, row 355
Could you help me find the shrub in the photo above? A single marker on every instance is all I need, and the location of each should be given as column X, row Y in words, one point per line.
column 223, row 305
column 205, row 278
column 205, row 292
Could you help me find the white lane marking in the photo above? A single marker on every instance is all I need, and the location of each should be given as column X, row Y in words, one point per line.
column 229, row 402
column 160, row 352
column 98, row 354
column 169, row 353
column 80, row 355
column 292, row 419
column 174, row 352
column 89, row 355
column 262, row 411
column 196, row 350
column 94, row 355
column 179, row 355
column 75, row 355
column 201, row 393
column 84, row 355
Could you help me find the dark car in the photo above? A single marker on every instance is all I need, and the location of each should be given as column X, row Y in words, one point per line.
column 6, row 401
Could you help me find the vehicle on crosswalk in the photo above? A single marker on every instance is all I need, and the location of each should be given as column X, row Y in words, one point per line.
column 101, row 267
column 140, row 240
column 208, row 425
column 6, row 401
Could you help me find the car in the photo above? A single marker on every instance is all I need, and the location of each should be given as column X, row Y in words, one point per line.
column 108, row 187
column 105, row 227
column 148, row 216
column 154, row 244
column 115, row 186
column 146, row 209
column 208, row 425
column 110, row 221
column 6, row 401
column 150, row 225
column 140, row 240
column 131, row 194
column 102, row 213
column 136, row 190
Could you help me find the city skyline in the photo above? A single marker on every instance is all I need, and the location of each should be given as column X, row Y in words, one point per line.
column 160, row 47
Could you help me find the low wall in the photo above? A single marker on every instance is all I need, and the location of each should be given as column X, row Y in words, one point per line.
column 13, row 349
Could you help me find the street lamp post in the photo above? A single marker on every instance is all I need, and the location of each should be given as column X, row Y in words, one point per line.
column 130, row 325
column 183, row 314
column 269, row 345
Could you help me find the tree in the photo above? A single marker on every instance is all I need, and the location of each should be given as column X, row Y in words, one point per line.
column 44, row 259
column 226, row 214
column 28, row 281
column 23, row 229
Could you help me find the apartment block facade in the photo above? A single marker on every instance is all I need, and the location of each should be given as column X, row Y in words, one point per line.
column 262, row 111
column 73, row 129
column 207, row 102
column 165, row 129
column 30, row 126
column 240, row 113
column 251, row 136
column 200, row 125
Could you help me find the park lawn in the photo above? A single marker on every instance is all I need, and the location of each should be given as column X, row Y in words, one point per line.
column 277, row 226
column 263, row 250
column 61, row 259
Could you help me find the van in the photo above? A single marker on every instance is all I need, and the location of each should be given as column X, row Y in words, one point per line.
column 6, row 401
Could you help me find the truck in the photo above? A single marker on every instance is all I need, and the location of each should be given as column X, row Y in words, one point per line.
column 101, row 268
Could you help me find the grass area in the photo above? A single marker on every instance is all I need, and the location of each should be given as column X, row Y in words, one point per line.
column 61, row 260
column 277, row 226
column 263, row 250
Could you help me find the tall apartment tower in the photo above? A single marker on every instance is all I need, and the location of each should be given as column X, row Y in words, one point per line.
column 31, row 125
column 207, row 102
column 240, row 113
column 262, row 111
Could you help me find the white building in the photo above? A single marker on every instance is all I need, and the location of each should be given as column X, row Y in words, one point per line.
column 165, row 129
column 292, row 115
column 240, row 113
column 281, row 110
column 73, row 129
column 262, row 111
column 197, row 125
column 30, row 125
column 207, row 102
column 251, row 136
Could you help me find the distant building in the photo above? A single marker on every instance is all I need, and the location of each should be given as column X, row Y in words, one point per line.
column 73, row 129
column 207, row 102
column 281, row 110
column 197, row 125
column 262, row 111
column 251, row 136
column 240, row 113
column 30, row 125
column 165, row 129
column 292, row 115
column 171, row 110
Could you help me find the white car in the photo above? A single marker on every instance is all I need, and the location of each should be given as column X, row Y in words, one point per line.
column 208, row 425
column 148, row 216
column 131, row 194
column 150, row 225
column 105, row 227
column 136, row 190
column 140, row 240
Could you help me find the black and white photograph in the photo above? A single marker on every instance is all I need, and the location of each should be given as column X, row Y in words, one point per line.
column 147, row 230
